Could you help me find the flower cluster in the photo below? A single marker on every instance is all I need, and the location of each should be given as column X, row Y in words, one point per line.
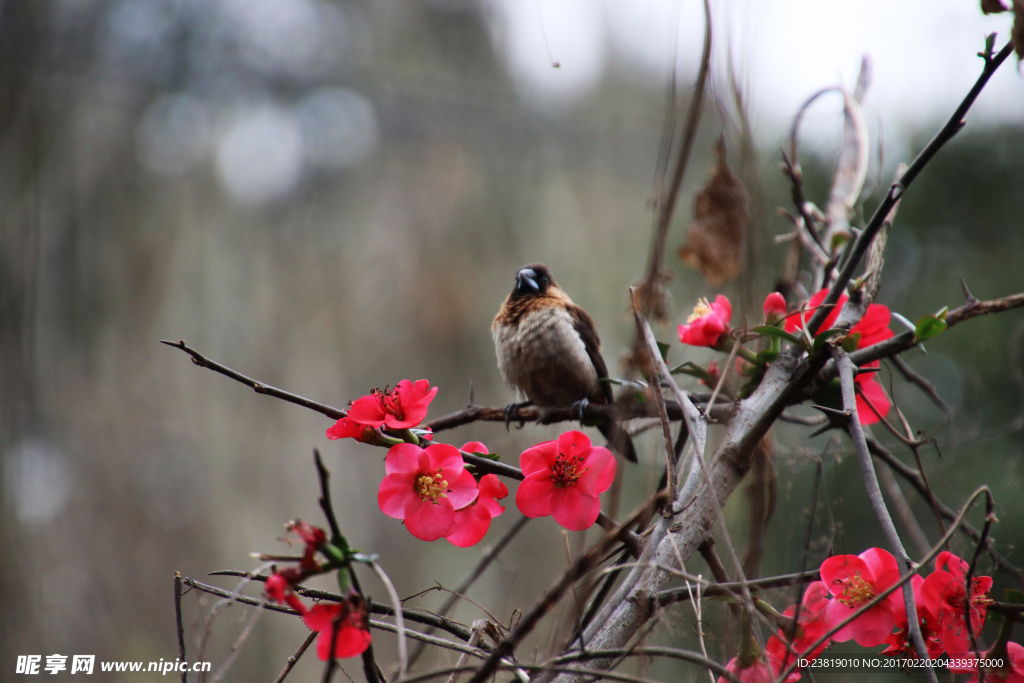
column 709, row 326
column 434, row 493
column 345, row 624
column 431, row 489
column 403, row 407
column 849, row 582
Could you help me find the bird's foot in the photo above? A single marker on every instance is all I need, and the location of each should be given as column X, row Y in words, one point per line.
column 512, row 408
column 580, row 407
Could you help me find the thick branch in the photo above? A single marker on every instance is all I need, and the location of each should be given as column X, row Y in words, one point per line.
column 677, row 537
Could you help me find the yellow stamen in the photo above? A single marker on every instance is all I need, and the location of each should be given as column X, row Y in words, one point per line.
column 700, row 310
column 431, row 487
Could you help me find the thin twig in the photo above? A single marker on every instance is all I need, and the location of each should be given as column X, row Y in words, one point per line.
column 179, row 625
column 295, row 657
column 477, row 571
column 669, row 196
column 914, row 477
column 257, row 386
column 927, row 387
column 454, row 628
column 403, row 648
column 580, row 567
column 475, row 632
column 906, row 514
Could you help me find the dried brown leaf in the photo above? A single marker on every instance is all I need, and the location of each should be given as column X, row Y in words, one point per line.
column 993, row 6
column 714, row 240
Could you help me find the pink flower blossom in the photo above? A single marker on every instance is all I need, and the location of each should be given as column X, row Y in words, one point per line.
column 708, row 322
column 898, row 644
column 353, row 629
column 403, row 407
column 810, row 627
column 564, row 479
column 853, row 580
column 943, row 595
column 425, row 487
column 871, row 329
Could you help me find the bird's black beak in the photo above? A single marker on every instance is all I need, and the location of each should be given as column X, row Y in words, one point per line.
column 526, row 282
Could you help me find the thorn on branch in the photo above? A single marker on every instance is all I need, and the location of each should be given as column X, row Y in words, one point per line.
column 843, row 415
column 967, row 293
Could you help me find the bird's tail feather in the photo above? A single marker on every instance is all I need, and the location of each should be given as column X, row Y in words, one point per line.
column 618, row 439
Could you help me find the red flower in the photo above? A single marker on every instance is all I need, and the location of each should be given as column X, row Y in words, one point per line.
column 564, row 479
column 353, row 629
column 872, row 328
column 757, row 672
column 473, row 521
column 403, row 407
column 943, row 595
column 313, row 537
column 708, row 322
column 425, row 487
column 714, row 375
column 347, row 428
column 810, row 627
column 774, row 308
column 1013, row 672
column 898, row 645
column 853, row 580
column 279, row 589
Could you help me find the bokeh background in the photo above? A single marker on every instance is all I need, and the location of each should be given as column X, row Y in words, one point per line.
column 333, row 196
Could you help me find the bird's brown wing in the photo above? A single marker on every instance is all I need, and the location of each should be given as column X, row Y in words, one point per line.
column 585, row 327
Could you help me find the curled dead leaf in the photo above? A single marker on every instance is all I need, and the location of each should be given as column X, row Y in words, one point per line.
column 714, row 240
column 993, row 6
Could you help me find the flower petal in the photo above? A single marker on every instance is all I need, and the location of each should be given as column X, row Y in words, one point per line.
column 403, row 458
column 574, row 508
column 396, row 494
column 533, row 498
column 722, row 309
column 471, row 525
column 351, row 641
column 538, row 458
column 368, row 411
column 462, row 491
column 884, row 569
column 836, row 569
column 447, row 459
column 573, row 443
column 600, row 472
column 430, row 521
column 871, row 392
column 347, row 428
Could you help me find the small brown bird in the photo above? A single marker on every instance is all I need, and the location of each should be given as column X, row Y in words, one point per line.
column 548, row 349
